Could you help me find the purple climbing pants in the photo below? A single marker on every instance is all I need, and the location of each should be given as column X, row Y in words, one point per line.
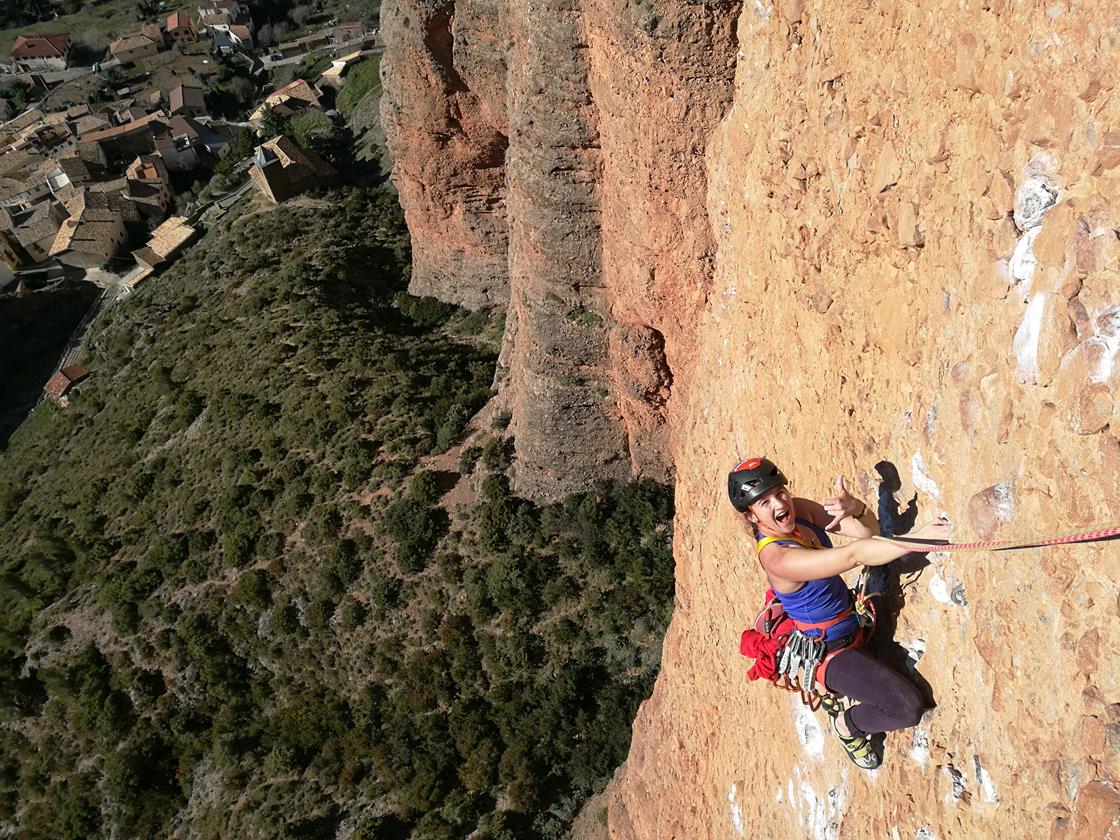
column 887, row 700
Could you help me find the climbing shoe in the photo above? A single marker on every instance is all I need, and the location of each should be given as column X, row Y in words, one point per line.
column 859, row 749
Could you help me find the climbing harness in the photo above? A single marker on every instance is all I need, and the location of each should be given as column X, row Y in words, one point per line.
column 791, row 659
column 1111, row 532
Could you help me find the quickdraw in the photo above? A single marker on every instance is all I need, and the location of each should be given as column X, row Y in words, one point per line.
column 922, row 546
column 803, row 659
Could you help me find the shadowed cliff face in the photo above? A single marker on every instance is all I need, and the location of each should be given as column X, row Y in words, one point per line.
column 873, row 241
column 606, row 251
column 444, row 116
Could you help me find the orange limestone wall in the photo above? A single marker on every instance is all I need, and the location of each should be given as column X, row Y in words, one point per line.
column 876, row 239
column 916, row 209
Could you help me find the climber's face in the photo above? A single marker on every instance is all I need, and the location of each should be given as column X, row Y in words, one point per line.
column 774, row 513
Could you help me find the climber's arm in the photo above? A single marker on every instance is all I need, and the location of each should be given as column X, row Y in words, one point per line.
column 789, row 564
column 797, row 565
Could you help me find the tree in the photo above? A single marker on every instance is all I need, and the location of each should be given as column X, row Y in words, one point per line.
column 311, row 128
column 272, row 124
column 15, row 92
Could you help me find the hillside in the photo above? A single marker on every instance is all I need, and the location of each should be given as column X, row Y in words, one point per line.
column 234, row 604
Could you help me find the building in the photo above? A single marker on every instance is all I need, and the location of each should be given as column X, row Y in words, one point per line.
column 335, row 75
column 242, row 34
column 149, row 186
column 232, row 39
column 12, row 254
column 166, row 242
column 41, row 52
column 88, row 124
column 132, row 48
column 147, row 168
column 59, row 385
column 34, row 229
column 187, row 100
column 293, row 97
column 222, row 15
column 179, row 143
column 281, row 169
column 180, row 28
column 51, row 140
column 155, row 35
column 306, row 44
column 89, row 238
column 24, row 177
column 124, row 142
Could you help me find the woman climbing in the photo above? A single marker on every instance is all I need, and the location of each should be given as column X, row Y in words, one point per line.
column 804, row 570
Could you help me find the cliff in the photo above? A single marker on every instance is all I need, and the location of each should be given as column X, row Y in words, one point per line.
column 876, row 241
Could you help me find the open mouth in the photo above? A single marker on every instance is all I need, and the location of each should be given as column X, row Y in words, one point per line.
column 781, row 516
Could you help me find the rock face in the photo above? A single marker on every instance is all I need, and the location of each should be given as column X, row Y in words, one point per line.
column 443, row 111
column 591, row 221
column 871, row 239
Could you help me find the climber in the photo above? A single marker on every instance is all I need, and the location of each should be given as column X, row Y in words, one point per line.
column 804, row 570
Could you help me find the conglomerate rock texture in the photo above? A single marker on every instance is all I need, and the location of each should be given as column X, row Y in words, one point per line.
column 872, row 239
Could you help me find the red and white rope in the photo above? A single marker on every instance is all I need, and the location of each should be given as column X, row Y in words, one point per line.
column 1005, row 545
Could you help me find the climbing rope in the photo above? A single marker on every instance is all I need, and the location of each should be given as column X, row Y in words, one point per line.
column 922, row 546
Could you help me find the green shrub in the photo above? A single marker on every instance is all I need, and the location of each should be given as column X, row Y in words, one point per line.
column 253, row 589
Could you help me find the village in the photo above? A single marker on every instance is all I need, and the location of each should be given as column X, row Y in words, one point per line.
column 118, row 166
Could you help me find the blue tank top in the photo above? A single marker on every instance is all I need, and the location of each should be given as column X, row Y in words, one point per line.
column 819, row 600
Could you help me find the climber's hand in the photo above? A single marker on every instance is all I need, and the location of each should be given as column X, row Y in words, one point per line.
column 841, row 505
column 938, row 529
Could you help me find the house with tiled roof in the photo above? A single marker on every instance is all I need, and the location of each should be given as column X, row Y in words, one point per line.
column 222, row 15
column 231, row 39
column 242, row 33
column 155, row 34
column 293, row 97
column 281, row 169
column 41, row 52
column 59, row 385
column 74, row 170
column 150, row 198
column 179, row 143
column 132, row 48
column 187, row 100
column 335, row 75
column 88, row 124
column 35, row 228
column 147, row 168
column 165, row 243
column 180, row 28
column 24, row 177
column 51, row 140
column 90, row 238
column 306, row 44
column 123, row 142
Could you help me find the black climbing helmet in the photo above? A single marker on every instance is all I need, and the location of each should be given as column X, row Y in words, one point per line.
column 751, row 480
